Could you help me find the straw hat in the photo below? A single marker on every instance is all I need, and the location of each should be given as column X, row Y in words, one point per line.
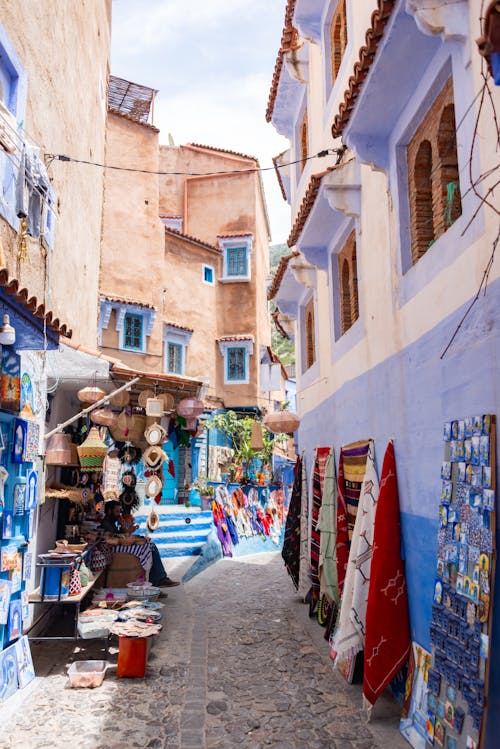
column 153, row 456
column 154, row 485
column 129, row 427
column 143, row 397
column 155, row 434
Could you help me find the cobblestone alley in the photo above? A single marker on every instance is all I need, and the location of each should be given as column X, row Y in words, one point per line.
column 238, row 664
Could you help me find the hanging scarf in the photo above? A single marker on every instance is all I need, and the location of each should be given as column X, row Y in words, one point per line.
column 350, row 635
column 387, row 643
column 291, row 542
column 326, row 526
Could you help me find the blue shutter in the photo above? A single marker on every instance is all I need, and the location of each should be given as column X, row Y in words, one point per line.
column 236, row 363
column 132, row 334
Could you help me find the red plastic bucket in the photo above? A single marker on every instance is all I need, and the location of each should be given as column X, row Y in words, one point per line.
column 132, row 656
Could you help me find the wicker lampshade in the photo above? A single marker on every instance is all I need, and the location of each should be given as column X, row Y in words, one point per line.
column 104, row 417
column 92, row 452
column 58, row 450
column 90, row 394
column 256, row 441
column 190, row 408
column 281, row 422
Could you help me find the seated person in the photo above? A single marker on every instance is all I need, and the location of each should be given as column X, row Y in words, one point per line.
column 113, row 522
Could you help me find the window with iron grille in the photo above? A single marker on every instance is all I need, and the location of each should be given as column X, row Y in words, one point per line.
column 174, row 358
column 236, row 259
column 132, row 337
column 236, row 363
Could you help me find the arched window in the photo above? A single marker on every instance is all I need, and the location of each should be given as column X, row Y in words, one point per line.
column 338, row 37
column 449, row 206
column 345, row 292
column 354, row 284
column 310, row 337
column 422, row 218
column 304, row 142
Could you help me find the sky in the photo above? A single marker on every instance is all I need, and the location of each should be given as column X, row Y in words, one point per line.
column 212, row 62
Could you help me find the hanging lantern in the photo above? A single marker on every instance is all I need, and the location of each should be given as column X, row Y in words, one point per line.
column 282, row 422
column 58, row 451
column 190, row 408
column 90, row 395
column 92, row 452
column 256, row 441
column 191, row 424
column 104, row 417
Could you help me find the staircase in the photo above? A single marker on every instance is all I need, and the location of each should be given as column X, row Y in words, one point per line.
column 182, row 531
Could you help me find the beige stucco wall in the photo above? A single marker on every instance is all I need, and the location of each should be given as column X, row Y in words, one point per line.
column 132, row 252
column 64, row 46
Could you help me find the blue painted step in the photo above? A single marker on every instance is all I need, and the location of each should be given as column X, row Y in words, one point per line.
column 182, row 532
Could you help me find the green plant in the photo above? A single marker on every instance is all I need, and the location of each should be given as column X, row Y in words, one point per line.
column 200, row 484
column 239, row 431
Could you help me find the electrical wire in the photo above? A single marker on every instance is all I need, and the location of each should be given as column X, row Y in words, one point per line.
column 252, row 170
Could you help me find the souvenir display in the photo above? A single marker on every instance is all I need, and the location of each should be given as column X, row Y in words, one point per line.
column 414, row 712
column 25, row 669
column 10, row 383
column 461, row 611
column 8, row 558
column 19, row 499
column 28, row 561
column 15, row 627
column 32, row 442
column 32, row 490
column 20, row 429
column 16, row 575
column 8, row 673
column 7, row 524
column 5, row 591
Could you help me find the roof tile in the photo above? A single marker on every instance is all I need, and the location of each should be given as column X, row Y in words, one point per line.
column 31, row 303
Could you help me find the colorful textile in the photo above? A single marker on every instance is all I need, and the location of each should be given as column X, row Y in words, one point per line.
column 352, row 465
column 350, row 635
column 304, row 579
column 387, row 643
column 291, row 543
column 326, row 526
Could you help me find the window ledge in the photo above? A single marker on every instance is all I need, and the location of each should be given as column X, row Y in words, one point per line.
column 234, row 279
column 236, row 382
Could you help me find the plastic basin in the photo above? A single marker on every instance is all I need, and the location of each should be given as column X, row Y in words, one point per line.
column 87, row 673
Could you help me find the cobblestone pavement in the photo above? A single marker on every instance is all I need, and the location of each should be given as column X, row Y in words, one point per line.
column 238, row 665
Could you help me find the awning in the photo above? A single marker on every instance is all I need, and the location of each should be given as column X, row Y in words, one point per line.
column 178, row 386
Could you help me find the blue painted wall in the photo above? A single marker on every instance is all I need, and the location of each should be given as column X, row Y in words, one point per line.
column 409, row 397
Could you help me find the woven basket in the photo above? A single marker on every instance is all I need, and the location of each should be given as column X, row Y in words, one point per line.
column 92, row 452
column 143, row 397
column 129, row 428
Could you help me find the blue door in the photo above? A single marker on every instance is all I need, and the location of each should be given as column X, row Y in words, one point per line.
column 170, row 484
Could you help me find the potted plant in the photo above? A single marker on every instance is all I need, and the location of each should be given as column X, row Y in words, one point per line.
column 205, row 490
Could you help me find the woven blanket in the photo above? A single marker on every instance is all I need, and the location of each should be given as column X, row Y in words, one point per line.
column 352, row 464
column 350, row 634
column 321, row 459
column 387, row 642
column 291, row 541
column 326, row 526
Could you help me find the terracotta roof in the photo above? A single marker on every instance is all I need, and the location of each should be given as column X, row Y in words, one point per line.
column 241, row 337
column 124, row 300
column 130, row 99
column 178, row 326
column 379, row 20
column 278, row 174
column 223, row 150
column 279, row 327
column 276, row 360
column 280, row 272
column 236, row 234
column 193, row 240
column 306, row 207
column 22, row 296
column 289, row 40
column 132, row 119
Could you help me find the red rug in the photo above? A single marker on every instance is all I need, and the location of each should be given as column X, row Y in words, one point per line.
column 388, row 644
